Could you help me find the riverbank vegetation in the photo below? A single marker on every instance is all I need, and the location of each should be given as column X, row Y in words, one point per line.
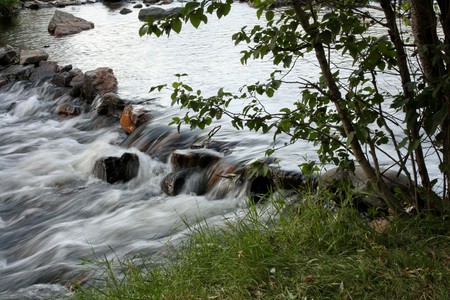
column 348, row 113
column 7, row 8
column 300, row 252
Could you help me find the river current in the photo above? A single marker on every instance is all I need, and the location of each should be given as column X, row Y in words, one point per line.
column 53, row 211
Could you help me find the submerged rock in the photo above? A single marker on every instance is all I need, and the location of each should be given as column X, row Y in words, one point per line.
column 63, row 23
column 116, row 169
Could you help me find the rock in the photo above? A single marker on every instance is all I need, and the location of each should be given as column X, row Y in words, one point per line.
column 110, row 104
column 98, row 82
column 44, row 72
column 63, row 23
column 133, row 116
column 17, row 72
column 165, row 2
column 184, row 159
column 31, row 5
column 174, row 182
column 150, row 1
column 116, row 169
column 68, row 109
column 125, row 11
column 28, row 57
column 336, row 181
column 62, row 79
column 138, row 5
column 9, row 55
column 259, row 187
column 292, row 180
column 76, row 83
column 157, row 12
column 66, row 68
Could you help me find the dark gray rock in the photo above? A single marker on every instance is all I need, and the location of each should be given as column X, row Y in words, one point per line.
column 157, row 12
column 62, row 79
column 125, row 11
column 139, row 5
column 117, row 169
column 44, row 72
column 110, row 104
column 17, row 72
column 9, row 55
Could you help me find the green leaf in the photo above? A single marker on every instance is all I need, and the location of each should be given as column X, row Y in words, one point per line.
column 269, row 15
column 176, row 25
column 285, row 125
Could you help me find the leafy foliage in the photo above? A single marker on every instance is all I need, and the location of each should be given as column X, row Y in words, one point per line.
column 344, row 111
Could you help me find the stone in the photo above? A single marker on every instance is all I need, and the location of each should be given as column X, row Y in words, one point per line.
column 157, row 13
column 110, row 104
column 117, row 169
column 28, row 57
column 334, row 179
column 125, row 11
column 295, row 180
column 62, row 79
column 150, row 1
column 184, row 159
column 139, row 5
column 98, row 82
column 44, row 72
column 68, row 109
column 66, row 68
column 17, row 72
column 173, row 183
column 133, row 116
column 9, row 55
column 63, row 23
column 76, row 83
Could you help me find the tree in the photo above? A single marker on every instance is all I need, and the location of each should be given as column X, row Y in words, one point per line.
column 346, row 116
column 7, row 8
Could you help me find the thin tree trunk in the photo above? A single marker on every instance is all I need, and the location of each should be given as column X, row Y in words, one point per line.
column 405, row 76
column 335, row 96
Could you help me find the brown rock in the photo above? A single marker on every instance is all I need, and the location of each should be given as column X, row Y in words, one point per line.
column 68, row 109
column 133, row 116
column 63, row 23
column 98, row 82
column 183, row 159
column 28, row 57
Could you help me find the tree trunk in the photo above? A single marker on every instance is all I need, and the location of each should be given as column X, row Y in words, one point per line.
column 335, row 96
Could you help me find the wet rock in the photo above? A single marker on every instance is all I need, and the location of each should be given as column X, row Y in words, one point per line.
column 138, row 5
column 150, row 1
column 62, row 79
column 66, row 68
column 157, row 12
column 17, row 72
column 44, row 72
column 63, row 23
column 110, row 104
column 9, row 55
column 125, row 11
column 68, row 109
column 77, row 84
column 337, row 181
column 31, row 5
column 294, row 180
column 28, row 57
column 259, row 187
column 165, row 2
column 173, row 183
column 98, row 82
column 133, row 116
column 117, row 169
column 184, row 159
column 3, row 82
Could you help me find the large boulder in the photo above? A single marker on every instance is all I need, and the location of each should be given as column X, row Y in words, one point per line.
column 338, row 181
column 9, row 55
column 31, row 57
column 117, row 169
column 157, row 13
column 133, row 116
column 63, row 23
column 44, row 71
column 98, row 82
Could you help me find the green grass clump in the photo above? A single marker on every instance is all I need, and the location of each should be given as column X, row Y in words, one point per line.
column 306, row 253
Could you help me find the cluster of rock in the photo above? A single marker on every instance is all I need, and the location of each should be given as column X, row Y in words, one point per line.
column 199, row 164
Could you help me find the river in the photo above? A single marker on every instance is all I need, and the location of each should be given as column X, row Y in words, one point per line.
column 53, row 212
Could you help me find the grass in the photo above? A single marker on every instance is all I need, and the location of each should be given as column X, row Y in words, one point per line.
column 306, row 253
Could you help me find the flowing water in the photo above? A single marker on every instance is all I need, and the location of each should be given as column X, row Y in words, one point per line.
column 53, row 211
